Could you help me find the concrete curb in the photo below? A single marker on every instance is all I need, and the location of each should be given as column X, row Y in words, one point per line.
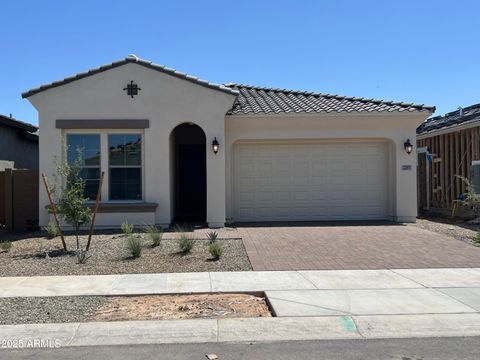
column 240, row 330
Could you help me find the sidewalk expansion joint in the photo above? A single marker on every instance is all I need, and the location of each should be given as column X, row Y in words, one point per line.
column 75, row 332
column 308, row 280
column 406, row 277
column 210, row 281
column 454, row 298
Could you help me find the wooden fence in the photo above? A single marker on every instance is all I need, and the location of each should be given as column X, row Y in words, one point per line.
column 19, row 199
column 451, row 154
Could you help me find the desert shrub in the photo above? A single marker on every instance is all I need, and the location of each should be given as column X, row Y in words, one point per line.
column 185, row 243
column 127, row 228
column 212, row 236
column 52, row 230
column 476, row 239
column 82, row 256
column 134, row 245
column 215, row 250
column 155, row 234
column 5, row 245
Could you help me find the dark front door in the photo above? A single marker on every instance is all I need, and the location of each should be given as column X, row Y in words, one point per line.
column 191, row 183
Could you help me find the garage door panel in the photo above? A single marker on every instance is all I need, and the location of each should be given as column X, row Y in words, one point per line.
column 265, row 196
column 264, row 182
column 319, row 180
column 283, row 181
column 246, row 196
column 301, row 195
column 315, row 181
column 319, row 195
column 301, row 180
column 246, row 181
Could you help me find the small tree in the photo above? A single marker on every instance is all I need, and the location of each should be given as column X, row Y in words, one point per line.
column 69, row 193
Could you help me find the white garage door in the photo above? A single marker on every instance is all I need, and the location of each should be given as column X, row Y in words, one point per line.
column 310, row 181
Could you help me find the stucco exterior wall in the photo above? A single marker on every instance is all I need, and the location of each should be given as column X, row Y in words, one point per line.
column 166, row 101
column 395, row 128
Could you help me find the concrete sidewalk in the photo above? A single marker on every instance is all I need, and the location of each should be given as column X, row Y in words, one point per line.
column 249, row 281
column 309, row 305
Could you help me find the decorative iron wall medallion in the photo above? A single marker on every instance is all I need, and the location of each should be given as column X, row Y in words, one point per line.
column 132, row 89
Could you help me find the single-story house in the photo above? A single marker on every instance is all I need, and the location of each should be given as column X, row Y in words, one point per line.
column 448, row 146
column 18, row 144
column 175, row 147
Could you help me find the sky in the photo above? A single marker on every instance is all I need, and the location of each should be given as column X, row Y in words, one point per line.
column 424, row 52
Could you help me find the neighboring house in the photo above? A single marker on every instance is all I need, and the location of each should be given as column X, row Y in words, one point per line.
column 18, row 144
column 174, row 147
column 448, row 145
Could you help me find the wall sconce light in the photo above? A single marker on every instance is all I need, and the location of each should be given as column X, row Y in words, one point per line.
column 215, row 145
column 408, row 147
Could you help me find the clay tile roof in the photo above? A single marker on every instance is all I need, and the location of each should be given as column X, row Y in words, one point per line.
column 263, row 100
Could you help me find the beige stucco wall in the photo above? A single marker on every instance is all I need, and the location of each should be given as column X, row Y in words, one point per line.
column 395, row 128
column 166, row 101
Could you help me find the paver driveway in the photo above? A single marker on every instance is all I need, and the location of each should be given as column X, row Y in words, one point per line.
column 359, row 246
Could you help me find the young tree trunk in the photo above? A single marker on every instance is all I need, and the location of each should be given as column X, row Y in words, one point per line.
column 76, row 235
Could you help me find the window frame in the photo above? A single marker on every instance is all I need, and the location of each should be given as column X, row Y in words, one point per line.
column 141, row 166
column 99, row 166
column 104, row 159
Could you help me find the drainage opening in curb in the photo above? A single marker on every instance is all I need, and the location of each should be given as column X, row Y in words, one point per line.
column 130, row 308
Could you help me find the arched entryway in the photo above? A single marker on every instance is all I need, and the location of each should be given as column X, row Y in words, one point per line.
column 190, row 174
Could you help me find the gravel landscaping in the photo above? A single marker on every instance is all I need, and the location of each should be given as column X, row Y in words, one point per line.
column 456, row 228
column 37, row 255
column 124, row 308
column 33, row 310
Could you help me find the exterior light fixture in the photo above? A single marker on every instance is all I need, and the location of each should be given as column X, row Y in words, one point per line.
column 408, row 147
column 215, row 145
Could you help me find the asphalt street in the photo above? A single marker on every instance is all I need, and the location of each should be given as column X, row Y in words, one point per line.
column 389, row 349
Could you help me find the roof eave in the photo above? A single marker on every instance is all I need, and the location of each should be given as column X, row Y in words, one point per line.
column 18, row 124
column 449, row 129
column 330, row 113
column 135, row 60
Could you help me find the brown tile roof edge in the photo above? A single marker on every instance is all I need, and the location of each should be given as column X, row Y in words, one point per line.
column 136, row 60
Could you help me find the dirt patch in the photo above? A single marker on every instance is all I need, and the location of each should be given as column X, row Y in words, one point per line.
column 37, row 255
column 65, row 309
column 174, row 307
